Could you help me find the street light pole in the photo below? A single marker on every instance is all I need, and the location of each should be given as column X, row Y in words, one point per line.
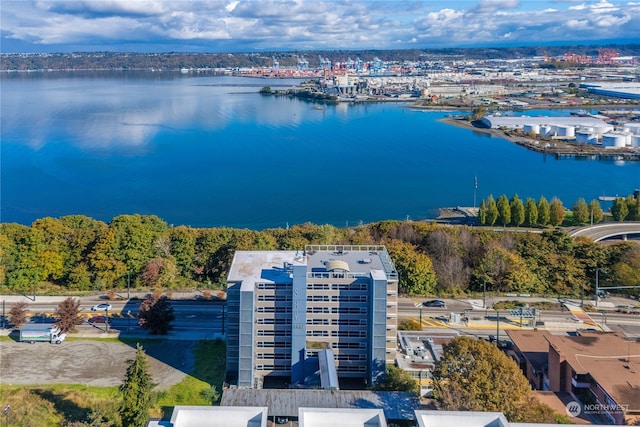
column 597, row 271
column 129, row 321
column 106, row 320
column 497, row 328
column 128, row 286
column 484, row 294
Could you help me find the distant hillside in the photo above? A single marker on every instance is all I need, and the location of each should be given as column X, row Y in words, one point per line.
column 177, row 60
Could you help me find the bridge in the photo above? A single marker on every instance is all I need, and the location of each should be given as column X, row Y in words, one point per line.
column 605, row 231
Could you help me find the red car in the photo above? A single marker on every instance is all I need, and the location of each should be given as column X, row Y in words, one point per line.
column 99, row 319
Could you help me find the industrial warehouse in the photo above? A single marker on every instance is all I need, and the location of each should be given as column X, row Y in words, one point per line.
column 311, row 318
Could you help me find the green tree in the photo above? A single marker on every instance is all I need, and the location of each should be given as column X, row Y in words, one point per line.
column 517, row 210
column 473, row 375
column 136, row 391
column 482, row 213
column 67, row 314
column 492, row 210
column 156, row 314
column 544, row 214
column 633, row 206
column 396, row 379
column 18, row 314
column 530, row 212
column 504, row 210
column 595, row 211
column 415, row 270
column 580, row 211
column 619, row 209
column 556, row 212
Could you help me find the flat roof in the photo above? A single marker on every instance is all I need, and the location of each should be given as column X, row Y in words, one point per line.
column 358, row 259
column 285, row 402
column 251, row 267
column 533, row 345
column 215, row 416
column 511, row 121
column 612, row 362
column 461, row 419
column 322, row 417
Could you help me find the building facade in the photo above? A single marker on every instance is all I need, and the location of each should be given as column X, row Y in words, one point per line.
column 286, row 306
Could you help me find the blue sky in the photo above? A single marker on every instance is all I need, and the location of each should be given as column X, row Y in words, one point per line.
column 263, row 25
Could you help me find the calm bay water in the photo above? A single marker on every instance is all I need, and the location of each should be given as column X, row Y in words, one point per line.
column 210, row 151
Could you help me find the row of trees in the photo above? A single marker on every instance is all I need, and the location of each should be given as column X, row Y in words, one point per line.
column 77, row 253
column 515, row 212
column 155, row 314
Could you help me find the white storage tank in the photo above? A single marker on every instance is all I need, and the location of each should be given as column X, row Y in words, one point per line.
column 546, row 130
column 529, row 128
column 566, row 131
column 586, row 137
column 635, row 141
column 633, row 128
column 614, row 139
column 601, row 130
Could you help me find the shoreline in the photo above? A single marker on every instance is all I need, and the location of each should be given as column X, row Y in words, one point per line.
column 558, row 149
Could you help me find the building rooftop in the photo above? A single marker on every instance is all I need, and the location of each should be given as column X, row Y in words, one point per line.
column 519, row 121
column 215, row 416
column 349, row 258
column 251, row 267
column 533, row 345
column 285, row 402
column 612, row 362
column 322, row 417
column 420, row 350
column 461, row 419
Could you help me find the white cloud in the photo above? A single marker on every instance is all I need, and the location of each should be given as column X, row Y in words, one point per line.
column 308, row 24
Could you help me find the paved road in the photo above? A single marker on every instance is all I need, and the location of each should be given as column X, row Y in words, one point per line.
column 604, row 231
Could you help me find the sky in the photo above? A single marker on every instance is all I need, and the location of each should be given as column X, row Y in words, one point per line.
column 285, row 25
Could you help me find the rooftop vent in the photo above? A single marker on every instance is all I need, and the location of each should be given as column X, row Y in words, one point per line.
column 336, row 264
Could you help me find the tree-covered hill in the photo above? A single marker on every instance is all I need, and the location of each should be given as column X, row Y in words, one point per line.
column 78, row 253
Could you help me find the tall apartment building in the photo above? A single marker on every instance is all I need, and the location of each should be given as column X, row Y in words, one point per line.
column 286, row 306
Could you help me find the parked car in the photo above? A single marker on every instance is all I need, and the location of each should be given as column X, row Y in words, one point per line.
column 99, row 319
column 434, row 303
column 101, row 307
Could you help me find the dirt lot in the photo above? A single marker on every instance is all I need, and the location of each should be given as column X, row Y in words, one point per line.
column 91, row 362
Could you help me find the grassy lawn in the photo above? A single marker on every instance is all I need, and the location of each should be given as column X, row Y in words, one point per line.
column 61, row 404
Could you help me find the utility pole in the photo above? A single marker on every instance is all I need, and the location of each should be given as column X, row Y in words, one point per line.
column 484, row 294
column 497, row 328
column 597, row 271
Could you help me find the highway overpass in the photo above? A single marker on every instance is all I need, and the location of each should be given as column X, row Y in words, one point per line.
column 609, row 230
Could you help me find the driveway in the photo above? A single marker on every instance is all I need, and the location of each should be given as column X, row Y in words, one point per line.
column 91, row 362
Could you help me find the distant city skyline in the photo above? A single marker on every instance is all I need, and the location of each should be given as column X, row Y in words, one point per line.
column 269, row 25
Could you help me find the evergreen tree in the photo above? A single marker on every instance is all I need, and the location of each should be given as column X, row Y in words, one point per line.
column 595, row 211
column 136, row 391
column 530, row 212
column 556, row 212
column 517, row 210
column 543, row 211
column 580, row 211
column 492, row 210
column 504, row 210
column 619, row 209
column 482, row 214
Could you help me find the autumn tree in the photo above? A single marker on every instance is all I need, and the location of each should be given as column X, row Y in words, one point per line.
column 580, row 211
column 67, row 314
column 543, row 211
column 156, row 314
column 556, row 212
column 517, row 210
column 136, row 391
column 504, row 210
column 415, row 270
column 396, row 379
column 473, row 375
column 18, row 314
column 530, row 212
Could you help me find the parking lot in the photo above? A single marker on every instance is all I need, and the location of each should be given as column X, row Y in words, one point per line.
column 91, row 362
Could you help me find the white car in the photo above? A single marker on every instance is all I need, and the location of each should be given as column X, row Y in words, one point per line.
column 101, row 307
